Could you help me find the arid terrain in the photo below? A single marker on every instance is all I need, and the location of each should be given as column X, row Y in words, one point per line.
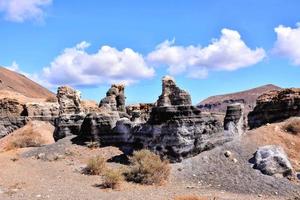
column 48, row 146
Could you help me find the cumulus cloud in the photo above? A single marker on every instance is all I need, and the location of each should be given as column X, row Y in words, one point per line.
column 288, row 43
column 76, row 67
column 22, row 10
column 13, row 67
column 229, row 52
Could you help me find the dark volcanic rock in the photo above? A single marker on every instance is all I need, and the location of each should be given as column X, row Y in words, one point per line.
column 234, row 121
column 272, row 160
column 175, row 128
column 115, row 99
column 10, row 124
column 275, row 106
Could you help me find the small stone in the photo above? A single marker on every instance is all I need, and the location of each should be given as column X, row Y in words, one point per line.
column 38, row 196
column 228, row 154
column 194, row 175
column 259, row 195
column 234, row 160
column 41, row 156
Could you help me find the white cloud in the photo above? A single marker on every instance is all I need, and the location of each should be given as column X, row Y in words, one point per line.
column 76, row 67
column 229, row 52
column 13, row 67
column 22, row 10
column 288, row 43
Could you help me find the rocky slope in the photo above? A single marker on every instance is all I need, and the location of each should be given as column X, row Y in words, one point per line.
column 219, row 103
column 15, row 82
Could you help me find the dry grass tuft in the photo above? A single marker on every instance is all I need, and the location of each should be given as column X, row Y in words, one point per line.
column 189, row 197
column 147, row 168
column 292, row 126
column 27, row 139
column 96, row 165
column 112, row 178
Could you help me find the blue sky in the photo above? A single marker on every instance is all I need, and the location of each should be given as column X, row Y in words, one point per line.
column 211, row 47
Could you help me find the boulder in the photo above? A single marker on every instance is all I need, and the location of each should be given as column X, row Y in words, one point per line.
column 115, row 99
column 234, row 121
column 272, row 160
column 172, row 95
column 275, row 106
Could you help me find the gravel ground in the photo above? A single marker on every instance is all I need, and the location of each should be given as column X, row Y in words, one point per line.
column 210, row 174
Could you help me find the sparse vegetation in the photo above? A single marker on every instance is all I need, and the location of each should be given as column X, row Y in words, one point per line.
column 112, row 178
column 147, row 168
column 27, row 139
column 292, row 126
column 189, row 197
column 96, row 166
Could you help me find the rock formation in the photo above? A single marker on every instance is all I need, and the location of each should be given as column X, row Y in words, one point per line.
column 272, row 160
column 172, row 95
column 115, row 99
column 175, row 128
column 234, row 121
column 43, row 111
column 70, row 113
column 275, row 106
column 69, row 100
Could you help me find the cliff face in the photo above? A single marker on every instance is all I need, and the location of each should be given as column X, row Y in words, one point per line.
column 248, row 98
column 275, row 106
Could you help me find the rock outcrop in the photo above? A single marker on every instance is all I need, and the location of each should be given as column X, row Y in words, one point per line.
column 43, row 111
column 234, row 121
column 70, row 113
column 172, row 95
column 275, row 106
column 115, row 99
column 175, row 128
column 272, row 160
column 69, row 100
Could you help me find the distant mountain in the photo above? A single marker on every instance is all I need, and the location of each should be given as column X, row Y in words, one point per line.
column 11, row 81
column 248, row 97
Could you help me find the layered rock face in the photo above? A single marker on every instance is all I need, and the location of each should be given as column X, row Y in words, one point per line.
column 70, row 113
column 44, row 111
column 234, row 121
column 272, row 160
column 175, row 128
column 275, row 106
column 115, row 99
column 139, row 112
column 172, row 95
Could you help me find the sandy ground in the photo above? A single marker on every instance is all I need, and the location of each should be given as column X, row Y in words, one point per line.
column 57, row 175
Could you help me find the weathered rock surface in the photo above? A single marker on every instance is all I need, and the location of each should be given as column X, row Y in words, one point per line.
column 115, row 99
column 172, row 95
column 272, row 160
column 10, row 124
column 175, row 128
column 234, row 121
column 275, row 106
column 44, row 111
column 10, row 107
column 70, row 113
column 69, row 100
column 139, row 112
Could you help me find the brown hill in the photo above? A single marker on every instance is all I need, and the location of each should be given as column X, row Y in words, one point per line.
column 248, row 97
column 11, row 81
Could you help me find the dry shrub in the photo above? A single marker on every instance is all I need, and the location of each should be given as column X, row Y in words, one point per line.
column 51, row 99
column 112, row 178
column 147, row 168
column 292, row 126
column 26, row 139
column 96, row 165
column 190, row 197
